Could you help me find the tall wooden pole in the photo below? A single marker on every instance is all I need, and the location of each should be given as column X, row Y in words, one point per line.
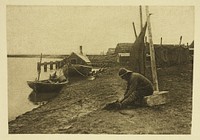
column 39, row 70
column 180, row 41
column 134, row 30
column 152, row 52
column 141, row 24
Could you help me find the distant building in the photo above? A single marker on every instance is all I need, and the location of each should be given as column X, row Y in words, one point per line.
column 166, row 54
column 110, row 51
column 123, row 48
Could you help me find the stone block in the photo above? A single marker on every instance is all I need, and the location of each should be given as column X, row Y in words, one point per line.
column 158, row 98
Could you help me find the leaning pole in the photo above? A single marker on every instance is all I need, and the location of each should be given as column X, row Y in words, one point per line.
column 158, row 97
column 152, row 52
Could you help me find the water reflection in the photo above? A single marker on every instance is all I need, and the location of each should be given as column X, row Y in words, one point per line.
column 41, row 98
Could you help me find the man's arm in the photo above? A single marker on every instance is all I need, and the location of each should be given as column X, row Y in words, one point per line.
column 129, row 96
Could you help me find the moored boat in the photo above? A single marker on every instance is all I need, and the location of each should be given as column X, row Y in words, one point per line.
column 46, row 85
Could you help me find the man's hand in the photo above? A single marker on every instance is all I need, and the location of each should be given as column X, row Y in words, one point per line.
column 113, row 106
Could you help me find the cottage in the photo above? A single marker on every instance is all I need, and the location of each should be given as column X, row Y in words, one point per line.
column 79, row 58
column 78, row 65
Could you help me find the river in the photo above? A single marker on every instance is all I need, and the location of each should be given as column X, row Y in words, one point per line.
column 21, row 98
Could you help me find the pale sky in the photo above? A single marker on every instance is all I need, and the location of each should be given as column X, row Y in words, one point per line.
column 62, row 29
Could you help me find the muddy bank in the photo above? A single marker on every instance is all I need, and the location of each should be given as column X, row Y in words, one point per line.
column 77, row 109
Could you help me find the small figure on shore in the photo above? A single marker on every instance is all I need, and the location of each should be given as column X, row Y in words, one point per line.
column 138, row 86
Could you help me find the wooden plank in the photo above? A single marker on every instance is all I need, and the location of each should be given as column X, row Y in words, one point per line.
column 158, row 98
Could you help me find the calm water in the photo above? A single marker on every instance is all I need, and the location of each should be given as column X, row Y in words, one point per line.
column 20, row 97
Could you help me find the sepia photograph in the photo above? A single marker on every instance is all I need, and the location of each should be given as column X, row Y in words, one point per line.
column 100, row 69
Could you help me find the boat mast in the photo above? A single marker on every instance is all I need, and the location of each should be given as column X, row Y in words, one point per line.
column 39, row 70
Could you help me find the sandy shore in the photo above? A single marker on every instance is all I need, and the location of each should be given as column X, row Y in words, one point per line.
column 77, row 109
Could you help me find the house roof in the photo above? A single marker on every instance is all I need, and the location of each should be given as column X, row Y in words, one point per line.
column 123, row 47
column 82, row 56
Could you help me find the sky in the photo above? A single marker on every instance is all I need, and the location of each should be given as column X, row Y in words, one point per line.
column 62, row 29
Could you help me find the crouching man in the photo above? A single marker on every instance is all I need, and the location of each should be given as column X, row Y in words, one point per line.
column 138, row 86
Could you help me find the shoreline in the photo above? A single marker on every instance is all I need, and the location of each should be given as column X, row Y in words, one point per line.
column 77, row 108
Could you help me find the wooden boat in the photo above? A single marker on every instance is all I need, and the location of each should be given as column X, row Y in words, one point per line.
column 78, row 65
column 81, row 70
column 53, row 84
column 46, row 85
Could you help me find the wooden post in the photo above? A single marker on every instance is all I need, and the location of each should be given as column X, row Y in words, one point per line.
column 152, row 52
column 38, row 66
column 62, row 63
column 45, row 66
column 161, row 41
column 141, row 24
column 59, row 64
column 51, row 65
column 134, row 30
column 180, row 41
column 56, row 64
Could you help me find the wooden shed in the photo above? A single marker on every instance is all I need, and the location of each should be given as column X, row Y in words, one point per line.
column 79, row 58
column 78, row 65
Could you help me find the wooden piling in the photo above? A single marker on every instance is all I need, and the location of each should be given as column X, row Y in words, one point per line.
column 161, row 41
column 59, row 64
column 45, row 66
column 180, row 41
column 38, row 66
column 56, row 63
column 51, row 65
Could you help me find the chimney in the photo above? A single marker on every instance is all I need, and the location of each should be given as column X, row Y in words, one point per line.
column 81, row 50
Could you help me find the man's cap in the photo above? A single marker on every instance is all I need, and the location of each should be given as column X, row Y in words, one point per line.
column 123, row 71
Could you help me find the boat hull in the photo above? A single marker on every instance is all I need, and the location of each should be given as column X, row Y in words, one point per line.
column 78, row 70
column 45, row 86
